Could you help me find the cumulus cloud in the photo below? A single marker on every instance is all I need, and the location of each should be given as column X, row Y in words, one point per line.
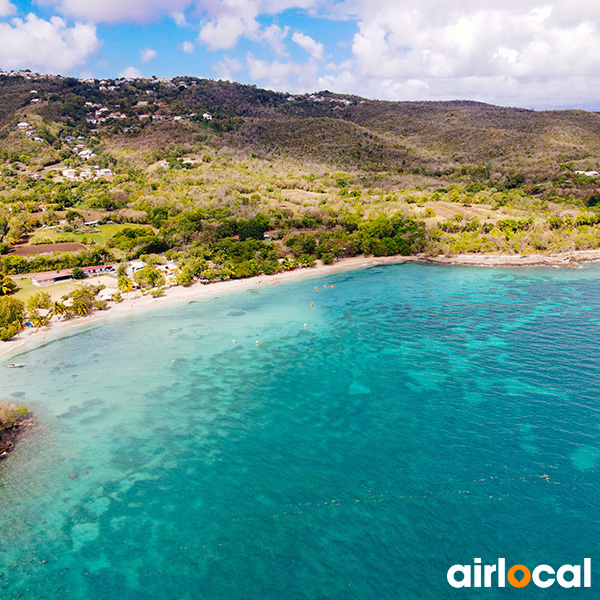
column 451, row 47
column 187, row 47
column 235, row 18
column 147, row 54
column 6, row 8
column 305, row 42
column 45, row 45
column 116, row 11
column 226, row 67
column 229, row 20
column 274, row 36
column 130, row 73
column 278, row 75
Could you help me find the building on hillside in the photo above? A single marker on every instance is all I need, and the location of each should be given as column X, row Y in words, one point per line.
column 86, row 154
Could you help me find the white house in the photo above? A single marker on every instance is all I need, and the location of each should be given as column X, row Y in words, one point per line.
column 207, row 116
column 86, row 154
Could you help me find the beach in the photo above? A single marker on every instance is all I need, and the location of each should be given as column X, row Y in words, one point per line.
column 135, row 301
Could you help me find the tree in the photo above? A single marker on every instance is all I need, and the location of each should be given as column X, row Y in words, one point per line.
column 185, row 277
column 40, row 300
column 59, row 309
column 7, row 285
column 81, row 307
column 78, row 273
column 11, row 317
column 149, row 277
column 124, row 284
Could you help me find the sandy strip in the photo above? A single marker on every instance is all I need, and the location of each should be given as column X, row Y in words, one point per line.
column 30, row 337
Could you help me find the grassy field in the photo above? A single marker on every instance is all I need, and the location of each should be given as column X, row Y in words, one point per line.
column 101, row 237
column 27, row 289
column 57, row 290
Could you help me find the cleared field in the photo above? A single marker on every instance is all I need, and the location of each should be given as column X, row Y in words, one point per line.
column 101, row 236
column 29, row 250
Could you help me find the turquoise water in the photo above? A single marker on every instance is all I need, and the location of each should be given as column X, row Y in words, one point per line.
column 423, row 417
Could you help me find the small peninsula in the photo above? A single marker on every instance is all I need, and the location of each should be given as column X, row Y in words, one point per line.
column 14, row 420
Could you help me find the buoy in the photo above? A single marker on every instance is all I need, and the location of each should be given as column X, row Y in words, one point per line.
column 304, row 324
column 325, row 286
column 257, row 342
column 234, row 341
column 316, row 288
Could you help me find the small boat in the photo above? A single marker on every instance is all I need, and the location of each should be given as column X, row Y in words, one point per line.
column 15, row 365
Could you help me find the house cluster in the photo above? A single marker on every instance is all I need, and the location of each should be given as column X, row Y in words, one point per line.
column 83, row 152
column 339, row 102
column 87, row 173
column 29, row 131
column 102, row 114
column 169, row 269
column 588, row 173
column 28, row 75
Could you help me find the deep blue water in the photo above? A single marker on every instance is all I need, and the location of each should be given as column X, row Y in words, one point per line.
column 424, row 416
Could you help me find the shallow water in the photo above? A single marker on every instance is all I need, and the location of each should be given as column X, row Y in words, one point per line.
column 425, row 415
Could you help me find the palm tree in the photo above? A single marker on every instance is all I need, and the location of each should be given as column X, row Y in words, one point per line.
column 81, row 308
column 7, row 285
column 58, row 308
column 38, row 321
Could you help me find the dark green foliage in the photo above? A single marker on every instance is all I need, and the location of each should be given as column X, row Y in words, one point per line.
column 11, row 317
column 14, row 265
column 253, row 228
column 78, row 273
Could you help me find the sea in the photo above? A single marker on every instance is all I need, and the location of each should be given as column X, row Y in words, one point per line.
column 349, row 436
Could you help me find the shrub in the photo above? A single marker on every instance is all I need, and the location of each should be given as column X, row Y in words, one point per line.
column 11, row 413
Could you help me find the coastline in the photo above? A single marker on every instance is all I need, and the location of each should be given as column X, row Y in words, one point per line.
column 29, row 338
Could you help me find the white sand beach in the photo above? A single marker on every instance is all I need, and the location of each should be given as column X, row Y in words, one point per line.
column 135, row 301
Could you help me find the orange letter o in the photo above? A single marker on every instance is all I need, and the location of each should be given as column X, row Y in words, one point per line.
column 514, row 581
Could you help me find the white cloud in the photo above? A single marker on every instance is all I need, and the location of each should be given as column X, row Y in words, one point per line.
column 235, row 18
column 286, row 76
column 45, row 45
column 504, row 49
column 147, row 54
column 274, row 36
column 130, row 73
column 6, row 8
column 187, row 47
column 179, row 18
column 116, row 11
column 276, row 74
column 305, row 42
column 226, row 67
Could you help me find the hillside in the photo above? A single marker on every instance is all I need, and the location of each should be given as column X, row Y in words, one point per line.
column 225, row 181
column 343, row 131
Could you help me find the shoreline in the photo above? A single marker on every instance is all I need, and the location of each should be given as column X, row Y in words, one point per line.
column 28, row 339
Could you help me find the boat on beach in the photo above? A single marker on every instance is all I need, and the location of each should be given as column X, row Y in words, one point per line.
column 15, row 365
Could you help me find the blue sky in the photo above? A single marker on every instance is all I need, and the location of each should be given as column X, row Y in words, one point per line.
column 529, row 53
